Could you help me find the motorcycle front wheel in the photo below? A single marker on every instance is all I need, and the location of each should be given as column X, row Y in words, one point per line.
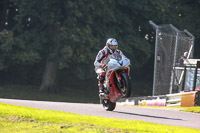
column 108, row 105
column 125, row 85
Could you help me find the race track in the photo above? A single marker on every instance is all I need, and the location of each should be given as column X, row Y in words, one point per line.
column 154, row 115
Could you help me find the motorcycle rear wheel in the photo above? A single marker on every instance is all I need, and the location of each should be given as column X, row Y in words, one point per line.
column 126, row 88
column 108, row 105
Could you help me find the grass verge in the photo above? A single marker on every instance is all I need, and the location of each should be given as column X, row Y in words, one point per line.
column 23, row 119
column 32, row 93
column 195, row 109
column 191, row 109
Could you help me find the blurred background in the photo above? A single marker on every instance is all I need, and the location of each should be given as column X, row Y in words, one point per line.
column 48, row 47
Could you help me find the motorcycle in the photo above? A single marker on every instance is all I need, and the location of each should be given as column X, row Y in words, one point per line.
column 117, row 82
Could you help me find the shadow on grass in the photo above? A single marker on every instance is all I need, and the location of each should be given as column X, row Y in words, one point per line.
column 33, row 93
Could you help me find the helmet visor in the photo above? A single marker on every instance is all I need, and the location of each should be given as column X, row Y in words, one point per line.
column 113, row 47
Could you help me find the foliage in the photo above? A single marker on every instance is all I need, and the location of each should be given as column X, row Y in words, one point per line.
column 6, row 41
column 13, row 51
column 70, row 33
column 18, row 119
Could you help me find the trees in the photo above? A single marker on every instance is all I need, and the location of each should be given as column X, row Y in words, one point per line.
column 65, row 36
column 55, row 32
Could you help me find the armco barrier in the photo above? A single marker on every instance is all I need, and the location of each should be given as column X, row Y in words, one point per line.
column 183, row 99
column 144, row 101
column 173, row 99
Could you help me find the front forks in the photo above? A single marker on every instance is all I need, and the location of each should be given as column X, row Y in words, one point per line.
column 117, row 76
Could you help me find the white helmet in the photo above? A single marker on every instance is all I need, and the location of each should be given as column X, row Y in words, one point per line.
column 112, row 45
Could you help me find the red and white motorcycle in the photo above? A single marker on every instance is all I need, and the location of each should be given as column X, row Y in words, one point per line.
column 117, row 82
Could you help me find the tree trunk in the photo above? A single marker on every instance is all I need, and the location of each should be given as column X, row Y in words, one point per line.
column 49, row 77
column 50, row 72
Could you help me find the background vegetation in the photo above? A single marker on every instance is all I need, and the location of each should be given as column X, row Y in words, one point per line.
column 52, row 44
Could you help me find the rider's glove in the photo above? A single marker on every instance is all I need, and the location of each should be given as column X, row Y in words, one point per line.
column 103, row 66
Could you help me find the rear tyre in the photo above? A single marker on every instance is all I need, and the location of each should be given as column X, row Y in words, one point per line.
column 125, row 85
column 108, row 105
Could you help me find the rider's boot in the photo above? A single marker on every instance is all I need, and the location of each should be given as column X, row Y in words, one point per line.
column 102, row 95
column 101, row 81
column 101, row 89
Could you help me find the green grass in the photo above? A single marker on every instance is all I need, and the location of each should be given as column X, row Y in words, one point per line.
column 195, row 109
column 27, row 120
column 32, row 93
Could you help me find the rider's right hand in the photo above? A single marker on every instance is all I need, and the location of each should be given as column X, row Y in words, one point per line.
column 103, row 66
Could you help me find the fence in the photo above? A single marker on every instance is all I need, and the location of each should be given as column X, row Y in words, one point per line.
column 171, row 47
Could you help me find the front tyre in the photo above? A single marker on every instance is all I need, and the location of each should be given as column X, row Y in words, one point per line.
column 108, row 105
column 125, row 85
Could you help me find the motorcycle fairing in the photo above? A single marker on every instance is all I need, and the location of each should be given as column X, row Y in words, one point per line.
column 114, row 94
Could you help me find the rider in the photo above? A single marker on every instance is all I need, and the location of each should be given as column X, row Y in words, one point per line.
column 102, row 59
